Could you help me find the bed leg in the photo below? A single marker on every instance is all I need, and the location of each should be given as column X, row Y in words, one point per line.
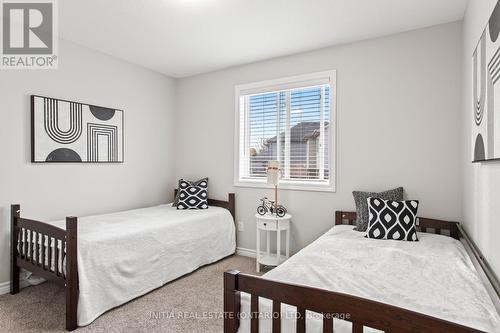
column 71, row 273
column 231, row 301
column 15, row 213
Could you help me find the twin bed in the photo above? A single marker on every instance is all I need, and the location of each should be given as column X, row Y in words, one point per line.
column 104, row 261
column 344, row 282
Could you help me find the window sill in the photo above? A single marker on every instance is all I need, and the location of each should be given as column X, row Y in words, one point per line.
column 288, row 186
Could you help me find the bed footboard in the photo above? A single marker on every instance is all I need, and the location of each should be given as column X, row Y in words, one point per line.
column 359, row 311
column 49, row 252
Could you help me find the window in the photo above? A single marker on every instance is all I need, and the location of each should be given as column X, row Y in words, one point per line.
column 290, row 120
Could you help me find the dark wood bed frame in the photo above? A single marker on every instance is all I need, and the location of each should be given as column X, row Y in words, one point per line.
column 27, row 256
column 362, row 312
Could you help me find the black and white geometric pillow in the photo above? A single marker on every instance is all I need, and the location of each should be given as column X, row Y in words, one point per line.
column 390, row 219
column 193, row 196
column 201, row 182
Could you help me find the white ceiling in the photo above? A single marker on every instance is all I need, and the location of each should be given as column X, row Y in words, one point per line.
column 186, row 37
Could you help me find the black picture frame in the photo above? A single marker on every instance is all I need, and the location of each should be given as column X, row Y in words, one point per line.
column 119, row 136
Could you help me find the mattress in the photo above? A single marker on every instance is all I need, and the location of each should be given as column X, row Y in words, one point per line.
column 433, row 276
column 124, row 255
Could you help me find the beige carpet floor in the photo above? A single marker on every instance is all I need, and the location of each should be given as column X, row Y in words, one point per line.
column 41, row 308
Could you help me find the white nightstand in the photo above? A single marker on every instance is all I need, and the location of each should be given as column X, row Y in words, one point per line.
column 270, row 223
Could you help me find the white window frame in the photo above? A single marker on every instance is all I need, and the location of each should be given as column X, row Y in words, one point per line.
column 319, row 78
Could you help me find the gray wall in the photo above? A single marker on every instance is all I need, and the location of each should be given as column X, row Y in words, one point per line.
column 481, row 180
column 399, row 123
column 54, row 191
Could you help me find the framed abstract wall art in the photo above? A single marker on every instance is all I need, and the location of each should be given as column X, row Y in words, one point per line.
column 486, row 92
column 64, row 131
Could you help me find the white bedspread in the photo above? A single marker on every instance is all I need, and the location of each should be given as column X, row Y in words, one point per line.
column 433, row 276
column 124, row 255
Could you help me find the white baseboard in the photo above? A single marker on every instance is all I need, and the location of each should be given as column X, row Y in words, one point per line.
column 246, row 252
column 5, row 286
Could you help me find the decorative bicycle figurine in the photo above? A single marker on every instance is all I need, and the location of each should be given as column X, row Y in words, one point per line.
column 269, row 206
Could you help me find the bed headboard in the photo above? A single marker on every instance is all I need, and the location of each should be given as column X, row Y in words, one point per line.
column 230, row 204
column 423, row 224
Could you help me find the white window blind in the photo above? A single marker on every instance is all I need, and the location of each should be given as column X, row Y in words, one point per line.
column 289, row 120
